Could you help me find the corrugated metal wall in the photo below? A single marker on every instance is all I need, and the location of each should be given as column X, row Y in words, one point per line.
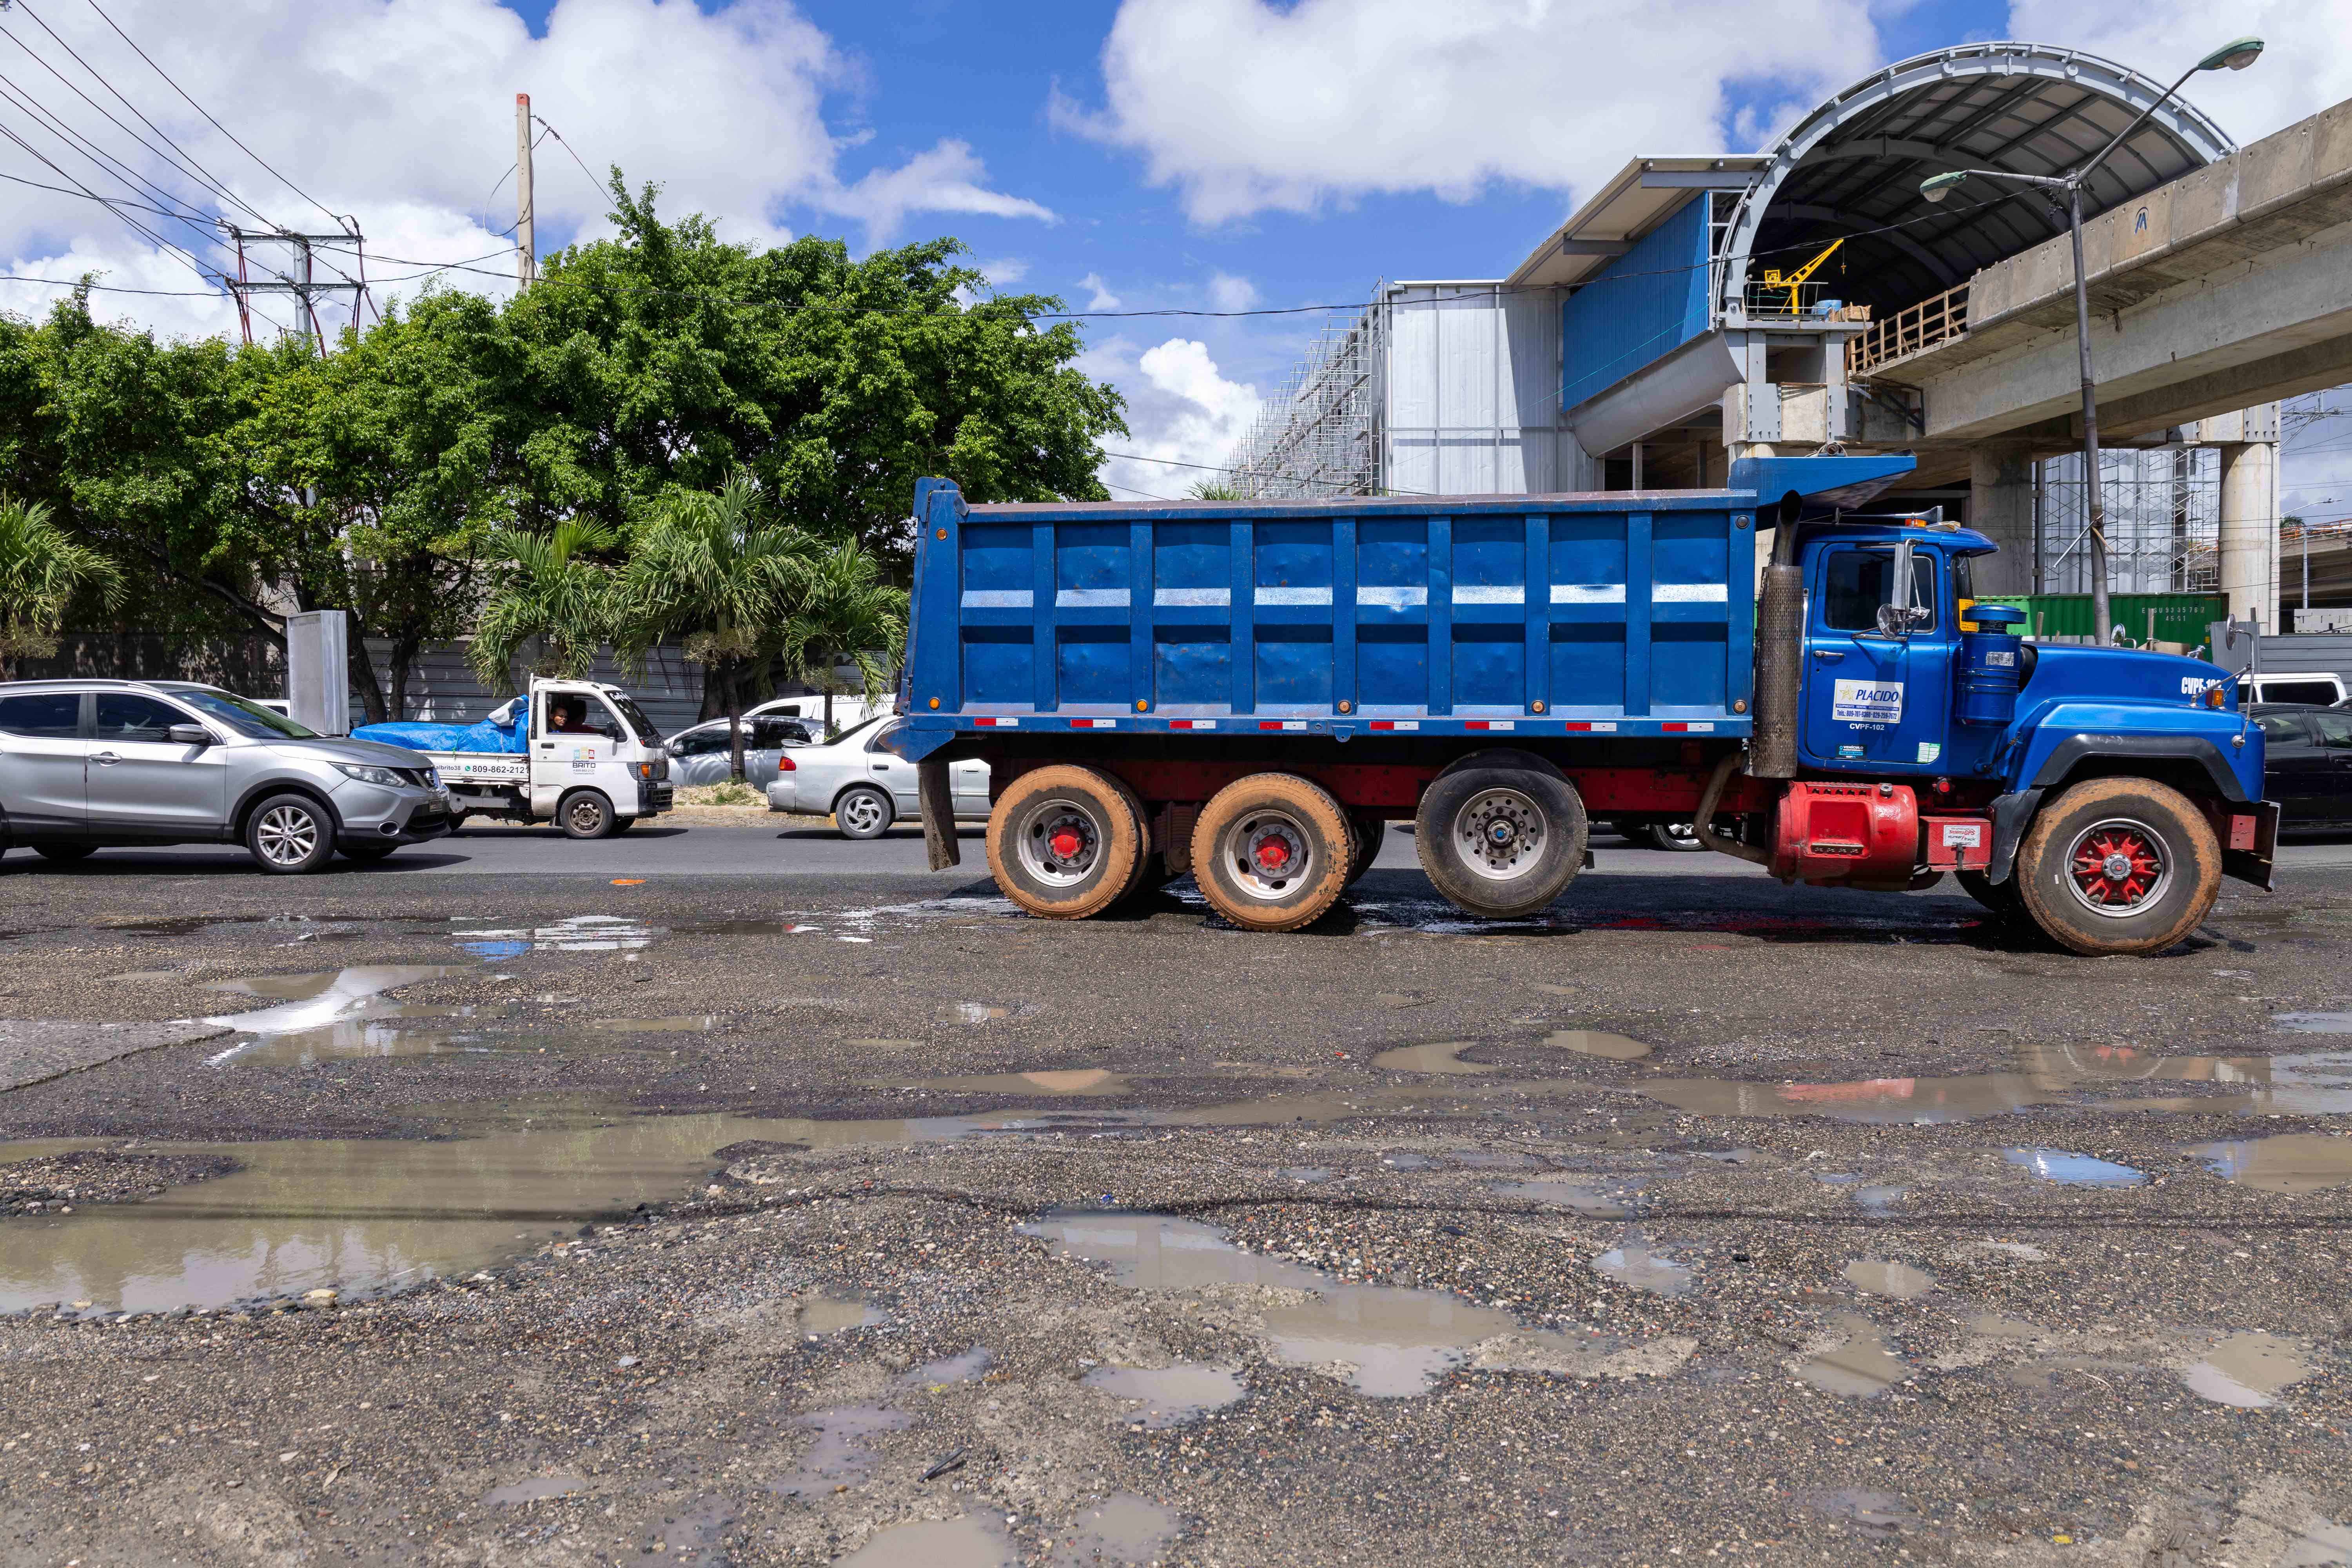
column 1640, row 307
column 443, row 688
column 1468, row 375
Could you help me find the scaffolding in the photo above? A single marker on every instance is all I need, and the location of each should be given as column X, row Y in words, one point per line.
column 2164, row 523
column 1319, row 435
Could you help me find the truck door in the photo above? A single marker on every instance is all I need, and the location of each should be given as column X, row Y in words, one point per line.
column 1874, row 701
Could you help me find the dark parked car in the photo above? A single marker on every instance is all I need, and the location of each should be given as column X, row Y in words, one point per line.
column 2308, row 766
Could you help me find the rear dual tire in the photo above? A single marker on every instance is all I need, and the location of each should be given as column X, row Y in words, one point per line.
column 1271, row 852
column 1066, row 842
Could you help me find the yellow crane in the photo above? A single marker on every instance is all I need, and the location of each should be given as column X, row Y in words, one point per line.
column 1794, row 281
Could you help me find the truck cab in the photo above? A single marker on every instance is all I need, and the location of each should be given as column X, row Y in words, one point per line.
column 579, row 752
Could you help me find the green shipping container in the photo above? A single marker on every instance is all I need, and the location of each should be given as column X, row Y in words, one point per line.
column 2179, row 617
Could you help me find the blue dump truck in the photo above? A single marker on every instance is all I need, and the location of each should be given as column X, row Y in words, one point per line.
column 1248, row 691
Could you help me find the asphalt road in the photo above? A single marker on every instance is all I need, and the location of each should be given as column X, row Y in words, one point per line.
column 673, row 1214
column 780, row 847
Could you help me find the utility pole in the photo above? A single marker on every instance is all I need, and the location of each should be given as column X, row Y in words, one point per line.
column 302, row 284
column 526, row 242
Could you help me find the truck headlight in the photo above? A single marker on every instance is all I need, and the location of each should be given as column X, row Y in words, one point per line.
column 366, row 773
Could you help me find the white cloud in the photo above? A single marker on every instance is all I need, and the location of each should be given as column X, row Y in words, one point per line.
column 402, row 112
column 1227, row 292
column 1247, row 106
column 1180, row 409
column 2305, row 66
column 1103, row 299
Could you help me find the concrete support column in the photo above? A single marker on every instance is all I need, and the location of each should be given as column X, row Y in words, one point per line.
column 2001, row 506
column 2249, row 530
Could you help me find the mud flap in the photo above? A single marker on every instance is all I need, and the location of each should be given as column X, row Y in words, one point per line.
column 933, row 790
column 2011, row 813
column 2254, row 865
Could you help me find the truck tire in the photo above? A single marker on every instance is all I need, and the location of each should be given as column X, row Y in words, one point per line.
column 2120, row 866
column 1678, row 838
column 1369, row 832
column 1271, row 851
column 1064, row 843
column 289, row 834
column 585, row 814
column 1501, row 842
column 864, row 812
column 1144, row 878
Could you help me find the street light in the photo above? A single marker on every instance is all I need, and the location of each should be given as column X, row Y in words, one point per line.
column 2236, row 56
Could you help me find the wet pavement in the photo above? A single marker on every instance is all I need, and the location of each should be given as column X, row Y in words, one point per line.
column 432, row 1219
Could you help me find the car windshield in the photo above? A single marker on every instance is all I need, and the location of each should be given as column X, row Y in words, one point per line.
column 248, row 718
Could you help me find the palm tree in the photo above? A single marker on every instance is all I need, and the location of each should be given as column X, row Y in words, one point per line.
column 1215, row 489
column 718, row 572
column 550, row 590
column 41, row 570
column 847, row 614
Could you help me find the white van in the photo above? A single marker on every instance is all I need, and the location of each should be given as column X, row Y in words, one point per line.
column 2318, row 688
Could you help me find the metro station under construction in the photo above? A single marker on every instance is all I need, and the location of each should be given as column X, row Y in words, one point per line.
column 1697, row 309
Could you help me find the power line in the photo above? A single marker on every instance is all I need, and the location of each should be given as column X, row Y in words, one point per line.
column 199, row 108
column 551, row 130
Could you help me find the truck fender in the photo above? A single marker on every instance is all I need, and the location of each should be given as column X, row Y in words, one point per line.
column 2068, row 753
column 2011, row 813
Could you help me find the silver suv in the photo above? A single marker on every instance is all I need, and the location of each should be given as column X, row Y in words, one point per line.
column 89, row 763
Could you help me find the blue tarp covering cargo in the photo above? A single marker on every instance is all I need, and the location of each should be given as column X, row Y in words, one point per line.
column 485, row 735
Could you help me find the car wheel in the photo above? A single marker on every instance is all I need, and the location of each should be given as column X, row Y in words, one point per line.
column 368, row 852
column 288, row 835
column 1678, row 836
column 64, row 854
column 585, row 814
column 864, row 812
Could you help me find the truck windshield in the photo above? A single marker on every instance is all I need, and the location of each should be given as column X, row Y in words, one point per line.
column 250, row 720
column 641, row 726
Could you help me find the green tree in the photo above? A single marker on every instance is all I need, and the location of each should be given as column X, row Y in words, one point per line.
column 665, row 359
column 847, row 614
column 717, row 572
column 549, row 589
column 41, row 572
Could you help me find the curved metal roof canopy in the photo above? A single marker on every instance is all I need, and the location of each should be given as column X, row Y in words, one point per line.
column 1852, row 167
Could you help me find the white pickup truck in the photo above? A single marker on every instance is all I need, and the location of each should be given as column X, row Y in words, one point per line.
column 594, row 774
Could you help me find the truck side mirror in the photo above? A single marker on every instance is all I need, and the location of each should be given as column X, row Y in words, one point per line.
column 1895, row 617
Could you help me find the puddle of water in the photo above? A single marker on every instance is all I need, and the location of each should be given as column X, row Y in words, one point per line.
column 966, row 1367
column 988, row 1012
column 535, row 1490
column 1862, row 1366
column 1398, row 1340
column 1595, row 1043
column 677, row 1024
column 2309, row 1083
column 2314, row 1023
column 2323, row 1545
column 1877, row 1516
column 1310, row 1174
column 1068, row 1080
column 964, row 1542
column 1122, row 1529
column 2289, row 1163
column 307, row 1002
column 844, row 1452
column 361, row 1214
column 822, row 1314
column 2073, row 1170
column 1437, row 1057
column 1613, row 1200
column 1491, row 1159
column 1634, row 1265
column 2247, row 1370
column 1898, row 1281
column 1408, row 1161
column 579, row 933
column 386, row 1029
column 1993, row 1326
column 1878, row 1199
column 1170, row 1394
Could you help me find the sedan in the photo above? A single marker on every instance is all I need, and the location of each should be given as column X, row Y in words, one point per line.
column 2307, row 766
column 705, row 754
column 864, row 788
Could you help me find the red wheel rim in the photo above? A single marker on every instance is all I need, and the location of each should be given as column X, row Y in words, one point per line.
column 2117, row 867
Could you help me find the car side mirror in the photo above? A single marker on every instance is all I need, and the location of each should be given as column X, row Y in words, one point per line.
column 189, row 735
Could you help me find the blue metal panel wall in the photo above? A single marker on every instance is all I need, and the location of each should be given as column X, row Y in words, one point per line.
column 1640, row 308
